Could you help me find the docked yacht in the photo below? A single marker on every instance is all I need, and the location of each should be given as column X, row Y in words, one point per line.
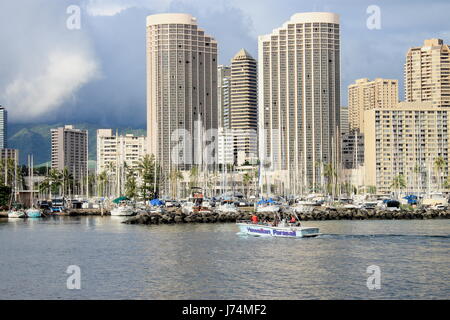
column 268, row 206
column 34, row 213
column 16, row 214
column 227, row 208
column 304, row 206
column 123, row 210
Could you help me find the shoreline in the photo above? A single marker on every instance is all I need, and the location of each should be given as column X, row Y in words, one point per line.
column 173, row 216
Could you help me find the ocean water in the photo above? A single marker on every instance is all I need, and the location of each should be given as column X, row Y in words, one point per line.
column 212, row 261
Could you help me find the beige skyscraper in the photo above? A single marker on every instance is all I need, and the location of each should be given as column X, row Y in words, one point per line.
column 427, row 73
column 299, row 101
column 244, row 106
column 114, row 151
column 181, row 89
column 366, row 95
column 406, row 140
column 70, row 150
column 344, row 120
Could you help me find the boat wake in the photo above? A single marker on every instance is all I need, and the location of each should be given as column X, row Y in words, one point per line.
column 374, row 236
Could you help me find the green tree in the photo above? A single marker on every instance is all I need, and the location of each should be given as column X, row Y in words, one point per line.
column 439, row 165
column 246, row 181
column 331, row 176
column 102, row 180
column 372, row 189
column 131, row 190
column 174, row 177
column 151, row 180
column 193, row 177
column 398, row 183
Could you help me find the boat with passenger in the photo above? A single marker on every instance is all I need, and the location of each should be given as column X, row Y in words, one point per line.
column 277, row 228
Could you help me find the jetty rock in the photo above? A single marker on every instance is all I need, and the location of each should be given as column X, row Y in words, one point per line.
column 317, row 214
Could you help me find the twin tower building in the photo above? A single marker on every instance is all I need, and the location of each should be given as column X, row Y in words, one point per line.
column 282, row 111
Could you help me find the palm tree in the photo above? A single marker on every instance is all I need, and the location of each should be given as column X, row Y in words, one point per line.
column 174, row 176
column 398, row 183
column 417, row 172
column 193, row 177
column 131, row 185
column 372, row 189
column 331, row 175
column 247, row 180
column 102, row 179
column 439, row 165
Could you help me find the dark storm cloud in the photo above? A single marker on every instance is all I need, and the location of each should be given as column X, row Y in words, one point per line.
column 97, row 74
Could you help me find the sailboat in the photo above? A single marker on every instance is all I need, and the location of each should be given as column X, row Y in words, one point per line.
column 32, row 212
column 14, row 212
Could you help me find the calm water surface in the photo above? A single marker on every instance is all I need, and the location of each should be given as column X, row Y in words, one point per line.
column 211, row 261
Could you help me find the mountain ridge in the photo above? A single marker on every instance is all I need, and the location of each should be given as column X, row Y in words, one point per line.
column 36, row 139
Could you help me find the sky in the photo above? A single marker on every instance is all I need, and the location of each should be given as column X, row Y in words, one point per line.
column 96, row 73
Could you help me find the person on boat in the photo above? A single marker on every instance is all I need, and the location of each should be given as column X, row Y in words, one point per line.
column 292, row 220
column 254, row 219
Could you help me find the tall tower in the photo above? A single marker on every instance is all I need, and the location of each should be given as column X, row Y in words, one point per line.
column 427, row 73
column 299, row 101
column 244, row 106
column 3, row 128
column 70, row 150
column 223, row 95
column 181, row 90
column 367, row 95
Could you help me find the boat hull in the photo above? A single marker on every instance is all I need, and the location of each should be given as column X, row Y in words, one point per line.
column 281, row 232
column 122, row 212
column 32, row 213
column 17, row 215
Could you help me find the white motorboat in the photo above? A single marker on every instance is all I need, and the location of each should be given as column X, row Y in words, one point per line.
column 434, row 199
column 187, row 208
column 123, row 210
column 17, row 214
column 282, row 230
column 227, row 208
column 304, row 206
column 271, row 208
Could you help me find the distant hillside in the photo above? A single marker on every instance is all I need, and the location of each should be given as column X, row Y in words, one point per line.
column 35, row 139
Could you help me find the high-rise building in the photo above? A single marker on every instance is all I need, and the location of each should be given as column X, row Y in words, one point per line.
column 427, row 73
column 299, row 100
column 352, row 150
column 181, row 91
column 344, row 120
column 366, row 95
column 406, row 140
column 244, row 106
column 113, row 150
column 223, row 96
column 225, row 147
column 3, row 128
column 70, row 150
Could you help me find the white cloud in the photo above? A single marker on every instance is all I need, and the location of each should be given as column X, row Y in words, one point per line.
column 63, row 74
column 113, row 7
